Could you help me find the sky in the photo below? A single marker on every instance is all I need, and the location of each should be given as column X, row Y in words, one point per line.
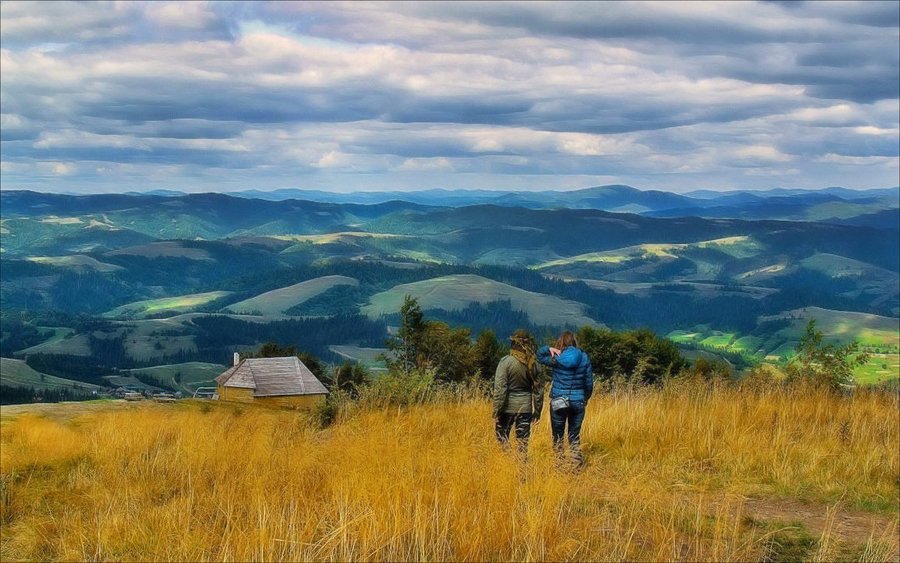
column 348, row 96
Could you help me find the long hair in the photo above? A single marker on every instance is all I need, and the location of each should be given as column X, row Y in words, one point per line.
column 566, row 339
column 521, row 340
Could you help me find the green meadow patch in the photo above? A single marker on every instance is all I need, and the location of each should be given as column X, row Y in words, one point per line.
column 879, row 368
column 174, row 305
column 718, row 340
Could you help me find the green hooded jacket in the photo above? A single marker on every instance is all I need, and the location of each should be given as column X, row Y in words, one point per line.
column 516, row 391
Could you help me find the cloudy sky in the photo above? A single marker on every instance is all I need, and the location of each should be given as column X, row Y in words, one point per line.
column 196, row 96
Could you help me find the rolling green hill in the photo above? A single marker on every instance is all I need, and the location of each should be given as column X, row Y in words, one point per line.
column 277, row 301
column 64, row 341
column 841, row 326
column 16, row 373
column 458, row 291
column 736, row 246
column 173, row 305
column 779, row 342
column 95, row 267
column 187, row 376
column 78, row 262
column 163, row 249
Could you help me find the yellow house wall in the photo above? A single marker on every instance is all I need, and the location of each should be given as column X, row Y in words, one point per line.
column 235, row 394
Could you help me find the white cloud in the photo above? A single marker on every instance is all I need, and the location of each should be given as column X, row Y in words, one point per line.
column 665, row 94
column 332, row 159
column 189, row 14
column 762, row 153
column 426, row 164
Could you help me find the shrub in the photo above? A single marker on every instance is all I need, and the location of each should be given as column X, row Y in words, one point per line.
column 823, row 364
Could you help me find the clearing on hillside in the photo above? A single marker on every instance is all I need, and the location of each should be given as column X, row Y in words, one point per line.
column 277, row 301
column 16, row 373
column 879, row 368
column 63, row 341
column 458, row 291
column 736, row 247
column 79, row 262
column 188, row 375
column 843, row 326
column 164, row 249
column 174, row 305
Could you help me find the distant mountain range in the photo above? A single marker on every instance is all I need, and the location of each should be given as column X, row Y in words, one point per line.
column 834, row 204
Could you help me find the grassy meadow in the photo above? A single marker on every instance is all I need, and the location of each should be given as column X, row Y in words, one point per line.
column 683, row 473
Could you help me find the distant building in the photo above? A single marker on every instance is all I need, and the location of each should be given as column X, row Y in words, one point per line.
column 273, row 381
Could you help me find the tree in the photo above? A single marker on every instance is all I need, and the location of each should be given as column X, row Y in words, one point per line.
column 488, row 352
column 637, row 355
column 405, row 347
column 825, row 363
column 273, row 350
column 349, row 377
column 313, row 363
column 447, row 350
column 712, row 369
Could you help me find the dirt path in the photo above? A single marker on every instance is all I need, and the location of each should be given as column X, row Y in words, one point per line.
column 853, row 526
column 829, row 524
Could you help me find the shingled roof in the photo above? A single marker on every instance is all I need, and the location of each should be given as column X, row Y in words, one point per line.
column 273, row 377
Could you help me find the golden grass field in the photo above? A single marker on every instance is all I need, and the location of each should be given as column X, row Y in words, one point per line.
column 684, row 473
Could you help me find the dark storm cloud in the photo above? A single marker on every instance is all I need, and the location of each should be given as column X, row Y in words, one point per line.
column 342, row 94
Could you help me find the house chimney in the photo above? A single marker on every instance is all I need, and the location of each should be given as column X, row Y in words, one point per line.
column 237, row 358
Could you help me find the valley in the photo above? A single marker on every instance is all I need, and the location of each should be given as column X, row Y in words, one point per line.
column 167, row 287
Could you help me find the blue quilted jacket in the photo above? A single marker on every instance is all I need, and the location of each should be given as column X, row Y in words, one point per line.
column 573, row 375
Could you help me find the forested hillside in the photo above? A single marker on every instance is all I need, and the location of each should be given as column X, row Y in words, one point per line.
column 93, row 285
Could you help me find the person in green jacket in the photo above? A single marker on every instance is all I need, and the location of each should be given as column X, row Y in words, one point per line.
column 518, row 391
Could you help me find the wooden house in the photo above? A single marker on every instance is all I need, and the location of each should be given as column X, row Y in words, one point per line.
column 271, row 381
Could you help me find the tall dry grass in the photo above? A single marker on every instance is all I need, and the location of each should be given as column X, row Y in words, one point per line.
column 666, row 477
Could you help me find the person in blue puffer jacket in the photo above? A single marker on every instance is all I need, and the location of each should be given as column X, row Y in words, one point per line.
column 573, row 383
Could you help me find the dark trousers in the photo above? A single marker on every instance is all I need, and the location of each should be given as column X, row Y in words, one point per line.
column 571, row 417
column 522, row 422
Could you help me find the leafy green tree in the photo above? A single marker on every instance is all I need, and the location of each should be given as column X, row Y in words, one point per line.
column 639, row 356
column 828, row 364
column 448, row 351
column 488, row 352
column 405, row 347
